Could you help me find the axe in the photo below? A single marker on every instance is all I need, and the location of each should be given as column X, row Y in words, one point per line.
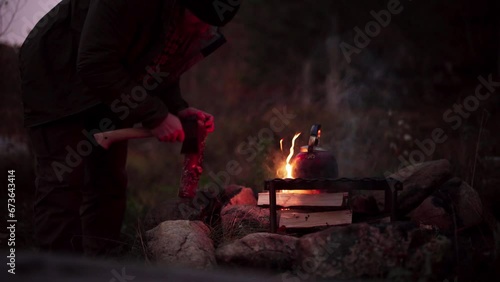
column 192, row 147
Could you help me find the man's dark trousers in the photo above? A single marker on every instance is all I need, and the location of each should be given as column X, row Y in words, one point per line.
column 80, row 200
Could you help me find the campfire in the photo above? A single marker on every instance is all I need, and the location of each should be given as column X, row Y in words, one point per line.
column 287, row 166
column 286, row 169
column 307, row 192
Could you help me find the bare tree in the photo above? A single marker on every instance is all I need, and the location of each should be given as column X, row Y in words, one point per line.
column 8, row 12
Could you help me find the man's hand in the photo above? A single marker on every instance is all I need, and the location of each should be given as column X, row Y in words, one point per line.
column 204, row 118
column 169, row 130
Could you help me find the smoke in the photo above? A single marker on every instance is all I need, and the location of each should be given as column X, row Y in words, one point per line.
column 352, row 108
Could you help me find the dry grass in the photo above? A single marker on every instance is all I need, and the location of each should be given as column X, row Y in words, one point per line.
column 236, row 225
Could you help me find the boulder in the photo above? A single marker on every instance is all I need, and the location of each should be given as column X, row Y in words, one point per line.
column 239, row 195
column 432, row 212
column 205, row 207
column 453, row 203
column 239, row 221
column 262, row 250
column 468, row 206
column 419, row 182
column 358, row 250
column 182, row 242
column 432, row 260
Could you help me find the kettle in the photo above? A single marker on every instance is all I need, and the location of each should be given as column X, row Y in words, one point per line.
column 314, row 161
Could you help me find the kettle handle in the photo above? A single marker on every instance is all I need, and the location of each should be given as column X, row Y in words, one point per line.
column 314, row 137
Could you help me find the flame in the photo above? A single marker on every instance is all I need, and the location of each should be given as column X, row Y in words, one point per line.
column 288, row 166
column 287, row 169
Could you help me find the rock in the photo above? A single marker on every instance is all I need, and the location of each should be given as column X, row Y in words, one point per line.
column 205, row 207
column 213, row 204
column 419, row 182
column 430, row 262
column 358, row 250
column 239, row 221
column 239, row 195
column 348, row 252
column 182, row 242
column 245, row 197
column 454, row 202
column 432, row 212
column 262, row 250
column 468, row 206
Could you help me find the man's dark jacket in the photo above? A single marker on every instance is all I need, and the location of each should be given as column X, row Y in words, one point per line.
column 87, row 52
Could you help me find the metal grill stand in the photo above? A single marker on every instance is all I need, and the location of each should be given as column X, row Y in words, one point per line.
column 391, row 187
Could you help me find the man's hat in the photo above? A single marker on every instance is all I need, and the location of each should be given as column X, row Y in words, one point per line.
column 214, row 12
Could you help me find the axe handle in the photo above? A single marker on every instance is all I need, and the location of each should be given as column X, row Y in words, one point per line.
column 105, row 139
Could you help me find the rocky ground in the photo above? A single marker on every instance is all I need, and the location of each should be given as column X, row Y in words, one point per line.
column 442, row 232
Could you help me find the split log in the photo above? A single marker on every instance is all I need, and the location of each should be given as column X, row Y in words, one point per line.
column 301, row 200
column 291, row 219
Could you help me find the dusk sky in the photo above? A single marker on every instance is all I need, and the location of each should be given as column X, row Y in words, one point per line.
column 31, row 11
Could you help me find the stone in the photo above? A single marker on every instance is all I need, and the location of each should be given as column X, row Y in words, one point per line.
column 453, row 203
column 358, row 250
column 419, row 182
column 261, row 250
column 347, row 252
column 230, row 195
column 207, row 209
column 239, row 195
column 241, row 220
column 432, row 212
column 182, row 242
column 432, row 261
column 468, row 206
